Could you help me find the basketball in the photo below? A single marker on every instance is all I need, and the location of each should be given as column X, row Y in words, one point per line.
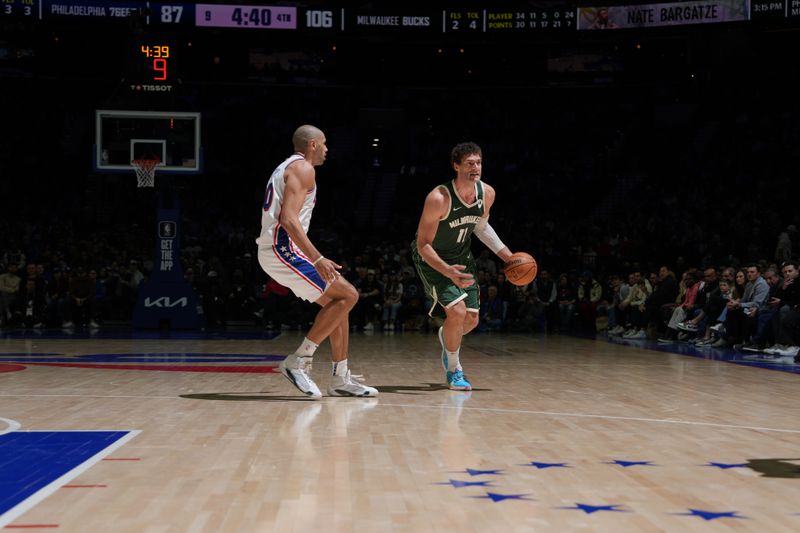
column 521, row 268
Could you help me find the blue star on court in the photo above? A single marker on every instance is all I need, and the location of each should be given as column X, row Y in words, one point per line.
column 495, row 497
column 459, row 484
column 626, row 464
column 547, row 465
column 589, row 509
column 473, row 472
column 725, row 466
column 710, row 515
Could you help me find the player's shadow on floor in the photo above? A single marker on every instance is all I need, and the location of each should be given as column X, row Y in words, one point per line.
column 413, row 390
column 245, row 397
column 267, row 397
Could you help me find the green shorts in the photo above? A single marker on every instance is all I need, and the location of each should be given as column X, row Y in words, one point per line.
column 442, row 290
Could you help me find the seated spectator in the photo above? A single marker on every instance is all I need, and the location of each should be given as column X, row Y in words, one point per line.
column 213, row 295
column 764, row 313
column 736, row 293
column 505, row 289
column 80, row 308
column 664, row 294
column 412, row 311
column 392, row 301
column 588, row 296
column 618, row 315
column 370, row 300
column 566, row 303
column 527, row 317
column 492, row 311
column 635, row 304
column 29, row 306
column 100, row 294
column 708, row 303
column 740, row 321
column 274, row 303
column 57, row 298
column 9, row 290
column 686, row 307
column 545, row 291
column 486, row 262
column 787, row 316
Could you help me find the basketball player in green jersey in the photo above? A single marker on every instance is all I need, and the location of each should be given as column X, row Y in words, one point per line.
column 441, row 251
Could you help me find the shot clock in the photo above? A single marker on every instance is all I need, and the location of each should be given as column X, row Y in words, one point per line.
column 157, row 58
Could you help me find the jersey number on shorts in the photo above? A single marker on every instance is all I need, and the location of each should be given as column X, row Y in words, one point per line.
column 268, row 194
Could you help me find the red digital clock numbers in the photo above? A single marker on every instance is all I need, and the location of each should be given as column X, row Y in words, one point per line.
column 159, row 54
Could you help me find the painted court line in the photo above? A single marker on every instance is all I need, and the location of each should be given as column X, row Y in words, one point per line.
column 11, row 425
column 602, row 417
column 30, row 502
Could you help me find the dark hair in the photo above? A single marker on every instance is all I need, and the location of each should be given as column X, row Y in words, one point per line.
column 462, row 150
column 792, row 262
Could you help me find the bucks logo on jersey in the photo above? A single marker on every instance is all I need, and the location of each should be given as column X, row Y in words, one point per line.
column 453, row 234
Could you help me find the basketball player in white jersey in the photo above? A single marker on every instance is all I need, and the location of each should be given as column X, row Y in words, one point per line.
column 287, row 254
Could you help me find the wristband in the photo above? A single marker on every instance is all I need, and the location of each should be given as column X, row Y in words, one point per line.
column 320, row 258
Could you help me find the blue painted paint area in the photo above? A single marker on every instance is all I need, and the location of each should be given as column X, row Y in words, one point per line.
column 31, row 460
column 170, row 357
column 728, row 355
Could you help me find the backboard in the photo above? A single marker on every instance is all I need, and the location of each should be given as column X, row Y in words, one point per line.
column 122, row 136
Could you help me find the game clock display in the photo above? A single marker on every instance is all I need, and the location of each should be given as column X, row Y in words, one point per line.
column 257, row 17
column 156, row 59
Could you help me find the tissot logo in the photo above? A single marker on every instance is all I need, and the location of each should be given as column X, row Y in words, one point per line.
column 149, row 88
column 166, row 301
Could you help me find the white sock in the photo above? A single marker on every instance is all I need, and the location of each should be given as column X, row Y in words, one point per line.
column 306, row 348
column 453, row 363
column 340, row 368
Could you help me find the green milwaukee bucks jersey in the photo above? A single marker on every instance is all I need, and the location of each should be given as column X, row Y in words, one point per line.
column 452, row 238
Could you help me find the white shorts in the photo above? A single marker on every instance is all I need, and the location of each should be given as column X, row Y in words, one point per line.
column 287, row 265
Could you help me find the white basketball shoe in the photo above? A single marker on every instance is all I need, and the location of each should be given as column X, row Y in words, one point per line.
column 347, row 386
column 296, row 370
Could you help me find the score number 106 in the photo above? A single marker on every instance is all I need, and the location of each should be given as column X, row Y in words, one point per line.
column 159, row 54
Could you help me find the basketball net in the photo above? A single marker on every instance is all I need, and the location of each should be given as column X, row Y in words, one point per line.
column 145, row 171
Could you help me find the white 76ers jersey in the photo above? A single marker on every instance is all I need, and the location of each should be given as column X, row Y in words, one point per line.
column 271, row 229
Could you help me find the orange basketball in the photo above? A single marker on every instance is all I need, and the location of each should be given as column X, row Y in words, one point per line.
column 521, row 268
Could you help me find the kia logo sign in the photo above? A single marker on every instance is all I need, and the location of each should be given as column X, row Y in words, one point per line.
column 166, row 301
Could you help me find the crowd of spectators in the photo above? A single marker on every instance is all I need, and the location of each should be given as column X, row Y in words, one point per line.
column 603, row 185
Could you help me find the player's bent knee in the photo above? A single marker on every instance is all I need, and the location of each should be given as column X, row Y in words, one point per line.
column 470, row 322
column 341, row 289
column 457, row 313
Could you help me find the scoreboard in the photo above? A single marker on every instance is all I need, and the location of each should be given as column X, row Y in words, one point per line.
column 285, row 17
column 398, row 20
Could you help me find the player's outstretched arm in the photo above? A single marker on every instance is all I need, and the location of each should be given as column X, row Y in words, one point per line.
column 485, row 232
column 299, row 180
column 436, row 205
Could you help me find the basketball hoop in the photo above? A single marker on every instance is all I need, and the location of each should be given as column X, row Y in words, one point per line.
column 145, row 168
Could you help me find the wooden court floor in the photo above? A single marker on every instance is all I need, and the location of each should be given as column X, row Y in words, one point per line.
column 560, row 434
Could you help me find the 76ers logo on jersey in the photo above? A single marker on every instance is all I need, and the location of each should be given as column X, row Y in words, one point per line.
column 268, row 194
